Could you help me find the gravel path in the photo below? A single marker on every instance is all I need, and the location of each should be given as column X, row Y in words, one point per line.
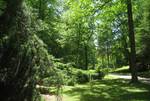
column 128, row 76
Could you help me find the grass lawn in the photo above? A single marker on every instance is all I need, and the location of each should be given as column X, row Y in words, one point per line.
column 109, row 89
column 124, row 70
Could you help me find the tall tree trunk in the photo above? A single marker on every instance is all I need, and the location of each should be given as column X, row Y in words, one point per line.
column 132, row 43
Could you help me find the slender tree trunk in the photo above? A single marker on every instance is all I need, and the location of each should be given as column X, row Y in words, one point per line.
column 107, row 51
column 132, row 43
column 78, row 45
column 126, row 51
column 86, row 56
column 103, row 61
column 77, row 55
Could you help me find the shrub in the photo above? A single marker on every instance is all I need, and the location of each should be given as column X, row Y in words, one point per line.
column 66, row 73
column 71, row 82
column 82, row 77
column 97, row 76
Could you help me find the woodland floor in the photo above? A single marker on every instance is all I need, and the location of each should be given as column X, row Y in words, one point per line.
column 114, row 87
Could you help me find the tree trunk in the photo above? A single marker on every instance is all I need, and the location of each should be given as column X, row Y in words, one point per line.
column 78, row 46
column 86, row 57
column 132, row 43
column 107, row 53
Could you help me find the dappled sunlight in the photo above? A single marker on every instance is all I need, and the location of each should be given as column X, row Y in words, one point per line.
column 136, row 90
column 110, row 90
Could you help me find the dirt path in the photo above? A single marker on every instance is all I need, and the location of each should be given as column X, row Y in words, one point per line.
column 48, row 97
column 51, row 97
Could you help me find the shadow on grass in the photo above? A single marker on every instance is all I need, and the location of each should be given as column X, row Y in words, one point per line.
column 111, row 90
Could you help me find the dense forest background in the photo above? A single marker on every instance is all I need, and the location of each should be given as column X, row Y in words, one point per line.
column 47, row 42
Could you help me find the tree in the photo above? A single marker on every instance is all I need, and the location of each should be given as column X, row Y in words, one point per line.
column 77, row 32
column 132, row 60
column 23, row 57
column 112, row 36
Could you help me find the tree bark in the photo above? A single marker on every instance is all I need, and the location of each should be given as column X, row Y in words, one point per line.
column 132, row 43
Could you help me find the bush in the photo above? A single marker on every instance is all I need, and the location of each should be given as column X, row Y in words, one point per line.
column 82, row 77
column 66, row 73
column 71, row 82
column 97, row 76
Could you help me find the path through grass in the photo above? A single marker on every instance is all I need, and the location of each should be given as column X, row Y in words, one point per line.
column 113, row 89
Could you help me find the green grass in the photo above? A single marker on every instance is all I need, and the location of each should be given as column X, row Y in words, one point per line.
column 109, row 89
column 124, row 69
column 41, row 98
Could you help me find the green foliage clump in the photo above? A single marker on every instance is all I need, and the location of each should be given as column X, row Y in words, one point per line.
column 82, row 77
column 71, row 81
column 67, row 74
column 24, row 58
column 104, row 70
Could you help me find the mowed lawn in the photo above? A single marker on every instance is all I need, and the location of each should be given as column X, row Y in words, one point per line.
column 109, row 89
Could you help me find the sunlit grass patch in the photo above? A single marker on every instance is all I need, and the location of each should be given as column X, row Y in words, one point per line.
column 136, row 90
column 124, row 69
column 107, row 77
column 108, row 90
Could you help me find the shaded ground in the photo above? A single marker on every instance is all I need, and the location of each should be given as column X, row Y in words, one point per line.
column 112, row 88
